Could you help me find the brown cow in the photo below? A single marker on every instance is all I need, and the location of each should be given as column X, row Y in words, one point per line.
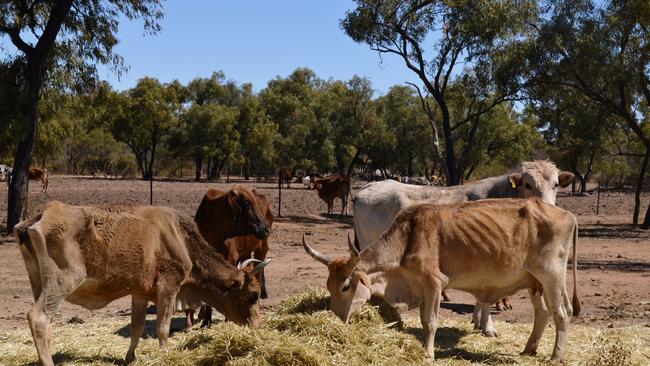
column 489, row 248
column 219, row 218
column 39, row 174
column 285, row 175
column 91, row 256
column 331, row 188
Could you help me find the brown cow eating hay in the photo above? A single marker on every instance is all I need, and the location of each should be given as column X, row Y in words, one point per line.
column 91, row 256
column 489, row 248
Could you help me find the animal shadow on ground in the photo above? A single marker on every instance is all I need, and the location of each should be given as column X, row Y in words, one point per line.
column 446, row 342
column 457, row 307
column 178, row 324
column 67, row 357
column 612, row 231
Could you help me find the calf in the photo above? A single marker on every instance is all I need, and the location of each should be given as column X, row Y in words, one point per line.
column 91, row 256
column 489, row 248
column 331, row 188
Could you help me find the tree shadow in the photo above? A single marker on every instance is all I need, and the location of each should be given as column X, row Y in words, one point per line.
column 177, row 325
column 612, row 231
column 615, row 265
column 327, row 219
column 446, row 342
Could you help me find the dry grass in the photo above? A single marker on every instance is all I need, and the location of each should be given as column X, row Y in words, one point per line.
column 301, row 332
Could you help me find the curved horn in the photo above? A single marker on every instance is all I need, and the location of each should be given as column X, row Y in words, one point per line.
column 243, row 264
column 354, row 252
column 260, row 266
column 316, row 255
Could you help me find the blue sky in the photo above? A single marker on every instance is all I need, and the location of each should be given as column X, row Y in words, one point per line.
column 252, row 41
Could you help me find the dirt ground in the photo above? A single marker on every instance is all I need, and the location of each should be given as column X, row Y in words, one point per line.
column 614, row 259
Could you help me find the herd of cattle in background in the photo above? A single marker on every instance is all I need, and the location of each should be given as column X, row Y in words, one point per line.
column 490, row 238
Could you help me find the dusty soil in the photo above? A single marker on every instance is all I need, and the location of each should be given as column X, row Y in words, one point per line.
column 614, row 259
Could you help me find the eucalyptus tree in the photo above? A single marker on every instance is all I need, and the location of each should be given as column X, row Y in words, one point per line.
column 144, row 116
column 435, row 39
column 602, row 50
column 60, row 39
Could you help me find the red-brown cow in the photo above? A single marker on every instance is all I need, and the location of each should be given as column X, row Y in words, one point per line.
column 285, row 175
column 39, row 174
column 332, row 187
column 219, row 217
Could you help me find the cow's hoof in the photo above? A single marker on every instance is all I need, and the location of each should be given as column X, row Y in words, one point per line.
column 527, row 352
column 490, row 333
column 130, row 357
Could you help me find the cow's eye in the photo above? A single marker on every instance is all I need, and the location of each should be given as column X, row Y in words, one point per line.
column 556, row 185
column 527, row 186
column 346, row 287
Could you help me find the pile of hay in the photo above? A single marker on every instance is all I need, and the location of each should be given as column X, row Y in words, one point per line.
column 301, row 332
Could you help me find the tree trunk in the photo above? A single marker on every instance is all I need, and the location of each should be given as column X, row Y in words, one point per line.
column 639, row 186
column 198, row 163
column 18, row 189
column 353, row 162
column 450, row 155
column 409, row 169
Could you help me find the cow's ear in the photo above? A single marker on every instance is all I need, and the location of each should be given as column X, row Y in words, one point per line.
column 566, row 178
column 515, row 180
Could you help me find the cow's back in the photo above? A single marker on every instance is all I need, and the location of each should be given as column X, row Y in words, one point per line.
column 377, row 204
column 118, row 250
column 497, row 239
column 206, row 215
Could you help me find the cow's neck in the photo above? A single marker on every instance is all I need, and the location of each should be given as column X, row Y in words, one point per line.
column 227, row 229
column 385, row 254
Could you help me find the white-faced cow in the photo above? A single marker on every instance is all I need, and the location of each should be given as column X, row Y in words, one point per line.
column 489, row 248
column 91, row 256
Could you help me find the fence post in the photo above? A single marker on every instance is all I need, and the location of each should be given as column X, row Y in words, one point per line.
column 598, row 200
column 279, row 196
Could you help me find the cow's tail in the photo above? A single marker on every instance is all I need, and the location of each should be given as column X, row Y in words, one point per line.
column 45, row 179
column 576, row 300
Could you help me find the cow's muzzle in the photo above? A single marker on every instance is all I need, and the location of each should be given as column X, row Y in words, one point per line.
column 262, row 232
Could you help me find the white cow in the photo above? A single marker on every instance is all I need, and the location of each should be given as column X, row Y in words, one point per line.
column 5, row 172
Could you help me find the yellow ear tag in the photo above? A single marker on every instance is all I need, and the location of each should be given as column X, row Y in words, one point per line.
column 514, row 185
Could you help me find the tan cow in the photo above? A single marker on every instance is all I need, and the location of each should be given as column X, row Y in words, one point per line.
column 91, row 256
column 489, row 248
column 39, row 174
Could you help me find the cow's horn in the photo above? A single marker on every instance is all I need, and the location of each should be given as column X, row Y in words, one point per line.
column 316, row 255
column 243, row 264
column 354, row 252
column 261, row 265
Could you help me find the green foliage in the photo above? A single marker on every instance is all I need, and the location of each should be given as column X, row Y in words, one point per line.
column 143, row 117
